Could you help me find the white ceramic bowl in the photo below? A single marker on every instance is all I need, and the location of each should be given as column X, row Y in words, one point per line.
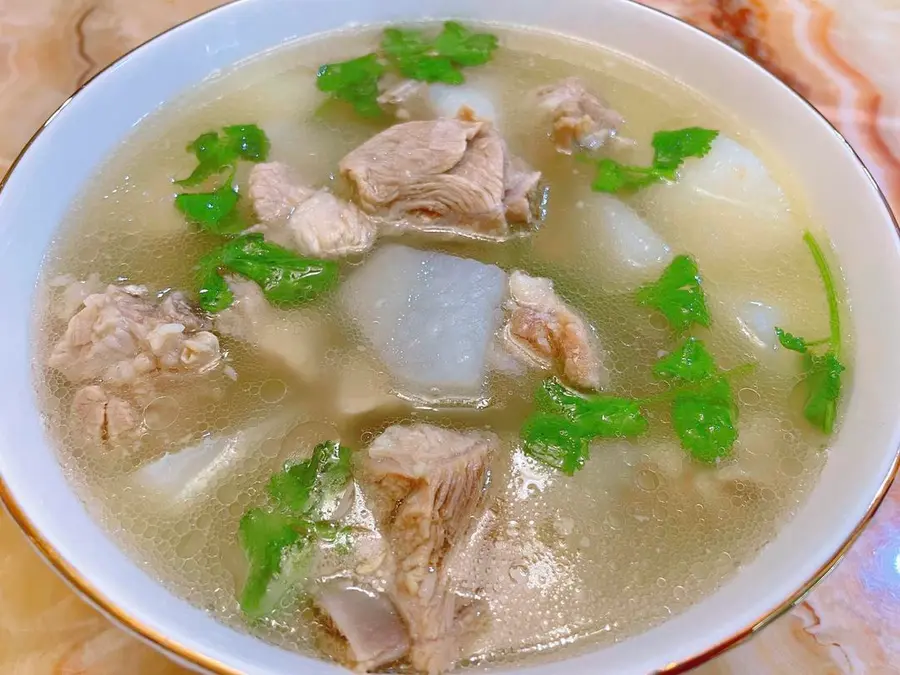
column 845, row 200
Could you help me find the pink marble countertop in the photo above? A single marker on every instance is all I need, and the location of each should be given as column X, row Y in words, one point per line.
column 842, row 55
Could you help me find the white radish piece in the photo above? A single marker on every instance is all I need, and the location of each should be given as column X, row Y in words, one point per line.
column 750, row 322
column 447, row 99
column 724, row 208
column 178, row 479
column 430, row 317
column 639, row 254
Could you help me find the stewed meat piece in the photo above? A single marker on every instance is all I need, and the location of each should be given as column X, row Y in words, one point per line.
column 444, row 175
column 426, row 485
column 580, row 119
column 543, row 329
column 309, row 221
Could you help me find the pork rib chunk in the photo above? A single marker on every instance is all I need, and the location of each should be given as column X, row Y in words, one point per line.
column 580, row 119
column 427, row 484
column 543, row 329
column 122, row 334
column 312, row 222
column 122, row 339
column 446, row 175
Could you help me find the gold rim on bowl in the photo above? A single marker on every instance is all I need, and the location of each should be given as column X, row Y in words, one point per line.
column 175, row 649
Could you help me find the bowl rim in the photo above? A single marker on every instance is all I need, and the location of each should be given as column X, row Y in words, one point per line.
column 195, row 659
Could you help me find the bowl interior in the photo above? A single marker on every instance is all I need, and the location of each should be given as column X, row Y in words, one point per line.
column 843, row 197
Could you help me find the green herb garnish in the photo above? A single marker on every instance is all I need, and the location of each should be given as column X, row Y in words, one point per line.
column 614, row 177
column 214, row 294
column 823, row 370
column 792, row 342
column 279, row 541
column 705, row 419
column 216, row 153
column 556, row 441
column 689, row 363
column 354, row 81
column 559, row 434
column 411, row 54
column 306, row 487
column 671, row 148
column 440, row 59
column 704, row 413
column 463, row 46
column 265, row 537
column 599, row 415
column 286, row 278
column 214, row 211
column 678, row 295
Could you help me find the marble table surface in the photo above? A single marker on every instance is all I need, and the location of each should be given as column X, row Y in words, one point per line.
column 843, row 55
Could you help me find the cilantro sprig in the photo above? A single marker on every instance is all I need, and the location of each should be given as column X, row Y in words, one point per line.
column 671, row 148
column 678, row 295
column 822, row 368
column 354, row 81
column 216, row 152
column 286, row 279
column 704, row 413
column 215, row 211
column 411, row 54
column 559, row 433
column 278, row 541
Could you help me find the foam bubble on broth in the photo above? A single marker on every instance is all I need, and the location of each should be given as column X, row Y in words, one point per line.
column 640, row 534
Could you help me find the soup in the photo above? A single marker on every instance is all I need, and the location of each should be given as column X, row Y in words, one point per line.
column 454, row 351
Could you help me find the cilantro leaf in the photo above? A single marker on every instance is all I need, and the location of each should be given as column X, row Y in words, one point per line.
column 285, row 277
column 599, row 416
column 248, row 142
column 305, row 488
column 354, row 81
column 792, row 342
column 278, row 542
column 678, row 295
column 441, row 59
column 823, row 382
column 402, row 44
column 613, row 417
column 705, row 420
column 265, row 537
column 210, row 155
column 214, row 292
column 555, row 397
column 215, row 154
column 213, row 211
column 555, row 441
column 614, row 177
column 280, row 548
column 431, row 69
column 673, row 147
column 559, row 434
column 416, row 58
column 689, row 363
column 463, row 46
